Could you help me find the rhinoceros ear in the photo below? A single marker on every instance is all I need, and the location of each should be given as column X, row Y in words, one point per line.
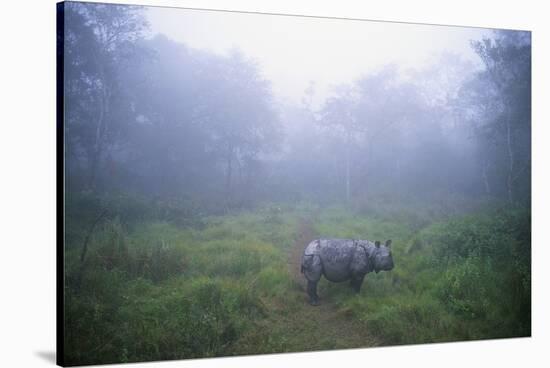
column 377, row 243
column 388, row 243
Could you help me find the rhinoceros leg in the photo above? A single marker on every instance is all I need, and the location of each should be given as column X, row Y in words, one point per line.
column 356, row 283
column 312, row 292
column 312, row 269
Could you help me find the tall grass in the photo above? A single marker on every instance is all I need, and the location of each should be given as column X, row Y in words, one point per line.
column 465, row 278
column 156, row 287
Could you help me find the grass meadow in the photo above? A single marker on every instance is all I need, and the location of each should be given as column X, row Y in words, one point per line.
column 164, row 281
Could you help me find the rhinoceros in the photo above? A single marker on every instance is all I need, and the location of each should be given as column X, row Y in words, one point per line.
column 341, row 260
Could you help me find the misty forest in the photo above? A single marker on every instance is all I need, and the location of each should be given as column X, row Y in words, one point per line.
column 192, row 188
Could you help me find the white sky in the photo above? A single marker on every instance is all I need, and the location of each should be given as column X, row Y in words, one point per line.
column 292, row 51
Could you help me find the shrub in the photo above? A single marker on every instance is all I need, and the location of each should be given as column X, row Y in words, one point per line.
column 466, row 288
column 199, row 318
column 403, row 319
column 486, row 263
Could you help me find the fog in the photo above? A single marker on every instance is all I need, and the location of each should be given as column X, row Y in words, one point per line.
column 213, row 159
column 294, row 51
column 230, row 110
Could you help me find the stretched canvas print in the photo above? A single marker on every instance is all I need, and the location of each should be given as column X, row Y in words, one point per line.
column 240, row 183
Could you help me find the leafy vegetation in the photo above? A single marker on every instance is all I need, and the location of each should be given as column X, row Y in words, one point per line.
column 466, row 278
column 155, row 289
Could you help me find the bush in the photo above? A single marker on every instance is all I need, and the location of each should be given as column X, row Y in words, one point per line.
column 466, row 288
column 83, row 207
column 179, row 320
column 463, row 278
column 405, row 318
column 486, row 265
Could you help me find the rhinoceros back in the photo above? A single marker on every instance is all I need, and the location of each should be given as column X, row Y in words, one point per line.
column 336, row 257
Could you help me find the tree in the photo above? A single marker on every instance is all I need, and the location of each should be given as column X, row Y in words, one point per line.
column 101, row 40
column 340, row 114
column 507, row 119
column 238, row 114
column 365, row 111
column 167, row 154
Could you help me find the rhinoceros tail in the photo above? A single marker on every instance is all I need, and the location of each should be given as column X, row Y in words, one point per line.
column 302, row 268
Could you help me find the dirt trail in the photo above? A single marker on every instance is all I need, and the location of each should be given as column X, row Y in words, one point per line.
column 325, row 321
column 305, row 235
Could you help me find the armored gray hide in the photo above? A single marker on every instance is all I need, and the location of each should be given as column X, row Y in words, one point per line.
column 343, row 259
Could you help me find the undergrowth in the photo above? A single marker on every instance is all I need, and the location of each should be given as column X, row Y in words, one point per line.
column 175, row 283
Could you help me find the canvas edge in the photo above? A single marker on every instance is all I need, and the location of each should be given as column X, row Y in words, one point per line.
column 60, row 184
column 60, row 170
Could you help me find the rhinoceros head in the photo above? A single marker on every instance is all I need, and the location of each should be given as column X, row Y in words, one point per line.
column 383, row 260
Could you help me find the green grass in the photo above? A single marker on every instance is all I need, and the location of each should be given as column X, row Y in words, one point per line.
column 465, row 278
column 153, row 288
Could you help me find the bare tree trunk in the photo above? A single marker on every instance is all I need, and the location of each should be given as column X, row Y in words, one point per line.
column 510, row 180
column 348, row 158
column 84, row 250
column 486, row 178
column 94, row 162
column 398, row 169
column 96, row 152
column 99, row 135
column 229, row 171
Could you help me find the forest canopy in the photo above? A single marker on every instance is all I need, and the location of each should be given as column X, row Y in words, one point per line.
column 155, row 117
